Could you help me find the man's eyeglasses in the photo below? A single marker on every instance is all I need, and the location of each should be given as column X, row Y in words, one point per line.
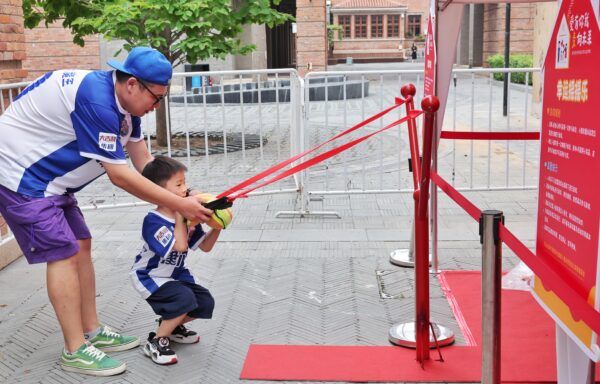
column 156, row 97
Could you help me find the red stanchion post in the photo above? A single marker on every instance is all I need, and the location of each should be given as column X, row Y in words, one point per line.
column 405, row 257
column 408, row 91
column 417, row 334
column 430, row 105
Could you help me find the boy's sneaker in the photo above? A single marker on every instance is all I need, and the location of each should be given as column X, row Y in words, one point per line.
column 182, row 335
column 89, row 360
column 159, row 350
column 110, row 341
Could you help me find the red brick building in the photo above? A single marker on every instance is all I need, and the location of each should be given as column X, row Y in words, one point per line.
column 52, row 48
column 377, row 30
column 12, row 42
column 28, row 53
column 521, row 29
column 487, row 37
column 12, row 54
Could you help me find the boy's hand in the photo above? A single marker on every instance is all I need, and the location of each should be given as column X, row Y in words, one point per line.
column 192, row 209
column 179, row 218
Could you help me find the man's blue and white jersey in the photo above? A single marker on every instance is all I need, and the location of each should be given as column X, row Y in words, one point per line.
column 158, row 263
column 56, row 132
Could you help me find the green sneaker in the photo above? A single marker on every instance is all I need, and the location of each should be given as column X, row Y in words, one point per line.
column 110, row 341
column 89, row 360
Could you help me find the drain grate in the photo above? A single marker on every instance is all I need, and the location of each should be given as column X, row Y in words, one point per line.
column 395, row 284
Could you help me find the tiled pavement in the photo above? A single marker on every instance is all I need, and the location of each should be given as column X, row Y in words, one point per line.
column 310, row 280
column 276, row 280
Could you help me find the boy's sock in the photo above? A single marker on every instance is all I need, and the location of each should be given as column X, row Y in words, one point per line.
column 182, row 335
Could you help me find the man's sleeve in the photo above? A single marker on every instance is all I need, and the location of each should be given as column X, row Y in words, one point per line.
column 97, row 130
column 158, row 235
column 136, row 131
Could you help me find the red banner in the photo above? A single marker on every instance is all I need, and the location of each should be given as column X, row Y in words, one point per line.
column 430, row 58
column 569, row 190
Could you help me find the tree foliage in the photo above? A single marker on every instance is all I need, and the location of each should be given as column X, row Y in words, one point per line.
column 183, row 30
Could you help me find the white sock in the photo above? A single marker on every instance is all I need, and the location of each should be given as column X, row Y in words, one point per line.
column 92, row 334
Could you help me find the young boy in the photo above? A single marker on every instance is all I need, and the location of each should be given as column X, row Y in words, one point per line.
column 159, row 272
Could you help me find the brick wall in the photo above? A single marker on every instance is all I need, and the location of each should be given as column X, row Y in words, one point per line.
column 52, row 48
column 311, row 36
column 383, row 48
column 521, row 29
column 369, row 48
column 12, row 53
column 418, row 7
column 12, row 42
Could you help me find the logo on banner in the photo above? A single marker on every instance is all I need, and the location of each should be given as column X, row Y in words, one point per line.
column 562, row 45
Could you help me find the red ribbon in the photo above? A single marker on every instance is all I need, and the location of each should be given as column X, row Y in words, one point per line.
column 317, row 159
column 277, row 167
column 462, row 135
column 462, row 201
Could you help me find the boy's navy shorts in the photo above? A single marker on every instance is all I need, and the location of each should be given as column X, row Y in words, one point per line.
column 174, row 298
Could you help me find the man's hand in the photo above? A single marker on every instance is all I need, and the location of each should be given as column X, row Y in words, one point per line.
column 192, row 209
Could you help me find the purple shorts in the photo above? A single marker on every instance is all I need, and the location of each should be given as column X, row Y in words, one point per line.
column 46, row 228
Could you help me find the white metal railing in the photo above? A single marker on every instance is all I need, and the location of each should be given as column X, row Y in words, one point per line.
column 239, row 125
column 265, row 116
column 7, row 94
column 514, row 165
column 380, row 165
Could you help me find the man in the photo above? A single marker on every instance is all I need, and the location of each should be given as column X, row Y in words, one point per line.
column 62, row 132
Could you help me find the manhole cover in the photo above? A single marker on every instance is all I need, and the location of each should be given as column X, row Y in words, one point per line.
column 395, row 284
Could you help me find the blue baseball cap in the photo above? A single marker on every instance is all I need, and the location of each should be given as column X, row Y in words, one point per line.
column 147, row 64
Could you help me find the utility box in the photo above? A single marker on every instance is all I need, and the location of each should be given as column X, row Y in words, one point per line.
column 194, row 83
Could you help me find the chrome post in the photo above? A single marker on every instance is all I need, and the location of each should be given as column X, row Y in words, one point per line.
column 489, row 231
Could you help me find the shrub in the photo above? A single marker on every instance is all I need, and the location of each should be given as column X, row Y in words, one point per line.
column 516, row 61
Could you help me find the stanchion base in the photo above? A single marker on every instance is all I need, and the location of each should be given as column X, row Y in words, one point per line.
column 402, row 258
column 403, row 334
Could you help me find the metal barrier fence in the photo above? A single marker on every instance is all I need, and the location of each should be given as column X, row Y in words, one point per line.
column 229, row 125
column 7, row 93
column 225, row 126
column 335, row 101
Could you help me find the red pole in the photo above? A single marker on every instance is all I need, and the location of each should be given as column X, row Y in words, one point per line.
column 408, row 91
column 430, row 105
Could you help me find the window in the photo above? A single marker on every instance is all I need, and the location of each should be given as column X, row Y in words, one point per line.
column 414, row 25
column 360, row 26
column 344, row 22
column 376, row 26
column 393, row 27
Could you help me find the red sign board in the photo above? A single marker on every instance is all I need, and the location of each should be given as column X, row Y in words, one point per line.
column 569, row 185
column 429, row 78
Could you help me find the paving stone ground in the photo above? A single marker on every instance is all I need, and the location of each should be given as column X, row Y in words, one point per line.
column 297, row 280
column 285, row 280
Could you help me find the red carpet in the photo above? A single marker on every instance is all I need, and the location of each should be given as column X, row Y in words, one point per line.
column 528, row 352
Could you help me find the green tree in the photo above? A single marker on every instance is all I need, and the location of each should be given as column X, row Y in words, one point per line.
column 331, row 37
column 185, row 31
